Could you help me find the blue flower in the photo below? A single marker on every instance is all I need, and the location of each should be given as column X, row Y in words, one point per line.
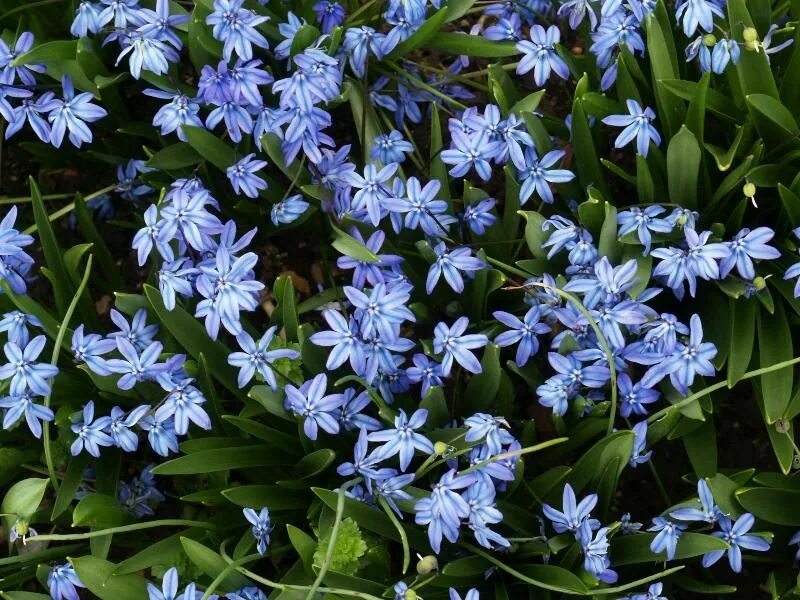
column 169, row 587
column 31, row 110
column 86, row 20
column 421, row 207
column 23, row 370
column 698, row 13
column 390, row 148
column 149, row 54
column 23, row 405
column 358, row 42
column 262, row 526
column 451, row 264
column 456, row 346
column 725, row 51
column 479, row 216
column 381, row 312
column 697, row 260
column 686, row 360
column 644, row 222
column 426, row 371
column 236, row 28
column 791, row 273
column 330, row 14
column 243, row 178
column 470, row 151
column 160, row 24
column 183, row 404
column 482, row 426
column 120, row 427
column 137, row 332
column 15, row 324
column 91, row 432
column 122, row 12
column 445, row 508
column 72, row 114
column 708, row 512
column 522, row 332
column 369, row 272
column 536, row 175
column 638, row 454
column 181, row 110
column 735, row 533
column 667, row 538
column 133, row 367
column 160, row 435
column 638, row 125
column 288, row 30
column 310, row 401
column 228, row 286
column 248, row 593
column 258, row 357
column 595, row 555
column 345, row 339
column 130, row 185
column 62, row 581
column 373, row 189
column 744, row 247
column 483, row 512
column 151, row 235
column 574, row 516
column 175, row 278
column 633, row 396
column 541, row 56
column 403, row 440
column 472, row 594
column 351, row 416
column 288, row 210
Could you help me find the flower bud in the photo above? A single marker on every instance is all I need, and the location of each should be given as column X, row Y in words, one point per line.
column 410, row 595
column 440, row 448
column 750, row 35
column 709, row 39
column 749, row 190
column 759, row 283
column 427, row 564
column 783, row 425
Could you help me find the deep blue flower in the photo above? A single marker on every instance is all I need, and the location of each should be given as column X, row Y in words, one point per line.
column 235, row 117
column 451, row 264
column 30, row 111
column 235, row 26
column 352, row 416
column 390, row 148
column 540, row 55
column 358, row 42
column 445, row 508
column 330, row 14
column 62, row 581
column 288, row 210
column 638, row 454
column 91, row 432
column 638, row 125
column 319, row 410
column 668, row 535
column 426, row 371
column 522, row 331
column 137, row 332
column 456, row 346
column 131, row 187
column 506, row 28
column 483, row 512
column 735, row 533
column 72, row 114
column 633, row 396
column 248, row 593
column 23, row 370
column 479, row 216
column 258, row 357
column 644, row 222
column 421, row 207
column 120, row 425
column 402, row 439
column 577, row 11
column 261, row 527
column 595, row 555
column 243, row 178
column 288, row 30
column 555, row 393
column 698, row 260
column 363, row 462
column 161, row 25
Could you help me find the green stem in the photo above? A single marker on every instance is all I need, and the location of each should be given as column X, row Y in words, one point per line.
column 337, row 521
column 54, row 537
column 28, row 5
column 71, row 206
column 513, row 453
column 400, row 530
column 718, row 386
column 230, row 568
column 301, row 588
column 24, row 199
column 418, row 82
column 62, row 331
column 483, row 72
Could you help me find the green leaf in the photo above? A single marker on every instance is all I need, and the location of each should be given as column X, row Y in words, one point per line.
column 365, row 118
column 23, row 596
column 70, row 484
column 753, row 68
column 193, row 338
column 589, row 468
column 607, row 244
column 422, row 35
column 285, row 314
column 528, row 104
column 47, row 53
column 100, row 511
column 22, row 500
column 305, row 36
column 791, row 204
column 177, row 156
column 701, row 447
column 683, row 168
column 586, row 160
column 99, row 248
column 274, row 496
column 635, row 549
column 470, row 45
column 645, row 186
column 53, row 255
column 534, row 236
column 774, row 122
column 223, row 459
column 210, row 147
column 162, row 553
column 742, row 338
column 437, row 169
column 775, row 345
column 457, row 9
column 716, row 102
column 663, row 65
column 775, row 505
column 482, row 388
column 696, row 114
column 350, row 246
column 98, row 577
column 212, row 564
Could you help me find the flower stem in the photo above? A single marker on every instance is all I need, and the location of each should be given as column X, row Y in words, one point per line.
column 54, row 537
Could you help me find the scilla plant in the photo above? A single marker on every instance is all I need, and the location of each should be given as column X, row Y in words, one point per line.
column 399, row 299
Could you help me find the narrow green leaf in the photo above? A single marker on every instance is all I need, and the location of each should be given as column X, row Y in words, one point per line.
column 98, row 577
column 212, row 564
column 774, row 346
column 683, row 168
column 285, row 314
column 224, row 459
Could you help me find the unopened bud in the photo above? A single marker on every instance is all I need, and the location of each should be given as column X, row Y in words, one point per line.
column 750, row 35
column 749, row 190
column 709, row 39
column 440, row 448
column 411, row 595
column 759, row 283
column 427, row 564
column 783, row 425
